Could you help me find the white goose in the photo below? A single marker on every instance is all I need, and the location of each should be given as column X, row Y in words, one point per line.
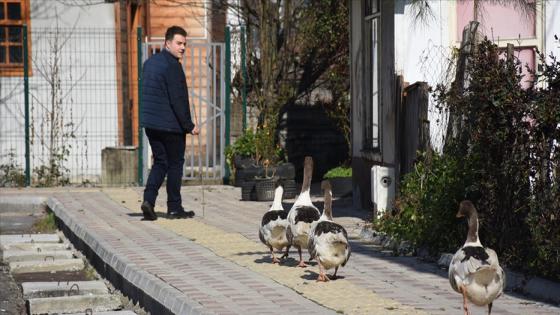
column 328, row 241
column 474, row 270
column 302, row 214
column 273, row 226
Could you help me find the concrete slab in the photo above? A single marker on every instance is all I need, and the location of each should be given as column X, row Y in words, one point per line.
column 29, row 238
column 74, row 304
column 30, row 255
column 46, row 266
column 39, row 247
column 53, row 289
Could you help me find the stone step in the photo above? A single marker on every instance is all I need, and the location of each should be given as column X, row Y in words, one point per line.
column 74, row 304
column 38, row 246
column 26, row 255
column 66, row 288
column 74, row 264
column 29, row 238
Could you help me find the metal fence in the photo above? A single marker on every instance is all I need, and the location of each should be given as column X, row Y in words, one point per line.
column 60, row 122
column 72, row 108
column 204, row 65
column 437, row 64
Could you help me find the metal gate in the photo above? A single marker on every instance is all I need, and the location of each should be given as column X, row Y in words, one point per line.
column 204, row 67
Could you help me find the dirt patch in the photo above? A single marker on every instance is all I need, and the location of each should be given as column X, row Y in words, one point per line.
column 21, row 222
column 61, row 276
column 11, row 299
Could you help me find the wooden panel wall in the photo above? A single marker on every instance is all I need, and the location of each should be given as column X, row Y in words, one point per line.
column 189, row 14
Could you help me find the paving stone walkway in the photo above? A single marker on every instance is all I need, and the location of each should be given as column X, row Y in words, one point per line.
column 216, row 264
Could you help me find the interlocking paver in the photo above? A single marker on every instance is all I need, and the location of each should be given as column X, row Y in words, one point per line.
column 154, row 250
column 406, row 280
column 217, row 264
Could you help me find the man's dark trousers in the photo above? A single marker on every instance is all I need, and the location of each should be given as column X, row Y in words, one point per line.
column 168, row 150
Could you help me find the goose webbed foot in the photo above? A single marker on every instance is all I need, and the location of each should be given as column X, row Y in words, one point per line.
column 274, row 259
column 322, row 276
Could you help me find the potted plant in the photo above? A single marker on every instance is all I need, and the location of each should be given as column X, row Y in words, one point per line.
column 341, row 180
column 264, row 185
column 240, row 157
column 268, row 154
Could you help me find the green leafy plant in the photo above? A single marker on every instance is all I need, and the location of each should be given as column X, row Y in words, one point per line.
column 54, row 173
column 295, row 49
column 47, row 224
column 339, row 171
column 544, row 215
column 244, row 146
column 505, row 159
column 494, row 108
column 267, row 151
column 424, row 213
column 11, row 174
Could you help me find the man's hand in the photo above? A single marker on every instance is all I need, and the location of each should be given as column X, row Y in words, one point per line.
column 195, row 130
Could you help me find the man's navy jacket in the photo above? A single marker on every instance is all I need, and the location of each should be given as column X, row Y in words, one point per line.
column 165, row 99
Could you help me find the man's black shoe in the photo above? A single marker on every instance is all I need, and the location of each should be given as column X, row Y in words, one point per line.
column 180, row 214
column 148, row 211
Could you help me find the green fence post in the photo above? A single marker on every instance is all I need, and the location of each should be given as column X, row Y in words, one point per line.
column 140, row 134
column 227, row 96
column 244, row 72
column 26, row 100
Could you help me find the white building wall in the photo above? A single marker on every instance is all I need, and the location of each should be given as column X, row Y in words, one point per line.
column 421, row 52
column 88, row 87
column 551, row 28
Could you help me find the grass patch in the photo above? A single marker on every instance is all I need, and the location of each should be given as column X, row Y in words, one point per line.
column 90, row 272
column 340, row 171
column 46, row 224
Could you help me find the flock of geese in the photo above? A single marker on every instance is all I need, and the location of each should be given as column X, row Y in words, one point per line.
column 474, row 271
column 304, row 227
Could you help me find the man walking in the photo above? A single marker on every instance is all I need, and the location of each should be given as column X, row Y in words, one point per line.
column 166, row 118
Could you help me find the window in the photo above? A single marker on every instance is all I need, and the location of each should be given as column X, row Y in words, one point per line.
column 372, row 109
column 13, row 14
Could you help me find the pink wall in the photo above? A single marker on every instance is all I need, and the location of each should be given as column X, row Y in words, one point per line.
column 528, row 58
column 501, row 22
column 497, row 22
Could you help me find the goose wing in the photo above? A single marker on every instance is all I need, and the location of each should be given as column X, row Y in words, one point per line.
column 261, row 237
column 327, row 233
column 468, row 260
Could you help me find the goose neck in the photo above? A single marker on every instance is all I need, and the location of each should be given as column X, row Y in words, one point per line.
column 472, row 235
column 327, row 211
column 277, row 203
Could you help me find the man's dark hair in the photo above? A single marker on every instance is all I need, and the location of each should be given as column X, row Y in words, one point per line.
column 173, row 30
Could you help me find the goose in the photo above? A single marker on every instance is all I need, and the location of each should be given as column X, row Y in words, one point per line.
column 328, row 241
column 272, row 232
column 302, row 214
column 474, row 271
